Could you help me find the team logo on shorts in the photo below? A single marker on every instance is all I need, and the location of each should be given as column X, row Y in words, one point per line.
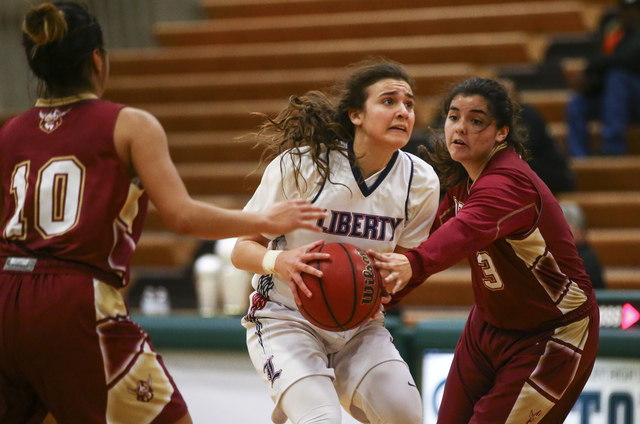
column 49, row 122
column 143, row 391
column 533, row 417
column 268, row 368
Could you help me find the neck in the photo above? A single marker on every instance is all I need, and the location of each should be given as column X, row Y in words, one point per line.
column 369, row 162
column 475, row 171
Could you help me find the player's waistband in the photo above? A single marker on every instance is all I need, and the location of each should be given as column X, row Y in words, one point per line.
column 22, row 264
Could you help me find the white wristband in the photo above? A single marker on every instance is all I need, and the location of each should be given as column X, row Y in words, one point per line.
column 269, row 261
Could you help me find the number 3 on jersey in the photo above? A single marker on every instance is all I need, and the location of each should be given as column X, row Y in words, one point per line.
column 490, row 276
column 57, row 197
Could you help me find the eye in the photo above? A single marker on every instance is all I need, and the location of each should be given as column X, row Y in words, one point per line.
column 476, row 121
column 387, row 101
column 409, row 105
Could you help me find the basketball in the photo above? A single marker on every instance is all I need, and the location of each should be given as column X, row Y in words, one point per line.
column 349, row 292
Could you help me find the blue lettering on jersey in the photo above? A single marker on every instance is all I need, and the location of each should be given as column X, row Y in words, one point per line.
column 351, row 224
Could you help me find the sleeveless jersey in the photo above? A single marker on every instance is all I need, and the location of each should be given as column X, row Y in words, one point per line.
column 526, row 271
column 65, row 193
column 394, row 207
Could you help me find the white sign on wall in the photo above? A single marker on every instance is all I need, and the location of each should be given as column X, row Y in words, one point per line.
column 611, row 396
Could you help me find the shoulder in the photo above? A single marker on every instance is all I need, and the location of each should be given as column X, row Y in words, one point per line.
column 422, row 171
column 132, row 115
column 506, row 184
column 138, row 124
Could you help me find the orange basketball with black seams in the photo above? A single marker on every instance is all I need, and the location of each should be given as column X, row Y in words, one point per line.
column 349, row 292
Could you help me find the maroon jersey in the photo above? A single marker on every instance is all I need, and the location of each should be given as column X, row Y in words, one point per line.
column 66, row 195
column 526, row 271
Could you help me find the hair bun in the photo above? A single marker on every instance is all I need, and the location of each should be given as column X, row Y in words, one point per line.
column 45, row 24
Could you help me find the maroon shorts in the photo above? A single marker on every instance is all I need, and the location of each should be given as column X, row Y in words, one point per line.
column 68, row 346
column 510, row 376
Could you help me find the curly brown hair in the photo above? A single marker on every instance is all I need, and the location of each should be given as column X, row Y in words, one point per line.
column 321, row 120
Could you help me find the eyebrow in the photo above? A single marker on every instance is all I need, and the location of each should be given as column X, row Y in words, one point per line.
column 471, row 111
column 394, row 93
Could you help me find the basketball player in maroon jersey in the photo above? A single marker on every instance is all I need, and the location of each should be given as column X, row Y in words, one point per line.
column 76, row 173
column 531, row 338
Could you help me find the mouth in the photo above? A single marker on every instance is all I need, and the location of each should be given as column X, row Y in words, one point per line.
column 398, row 128
column 458, row 143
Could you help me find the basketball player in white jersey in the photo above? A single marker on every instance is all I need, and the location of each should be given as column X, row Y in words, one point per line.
column 345, row 158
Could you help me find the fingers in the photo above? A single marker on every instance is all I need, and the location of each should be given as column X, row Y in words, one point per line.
column 383, row 265
column 393, row 283
column 309, row 211
column 375, row 255
column 294, row 291
column 298, row 285
column 308, row 269
column 315, row 244
column 309, row 219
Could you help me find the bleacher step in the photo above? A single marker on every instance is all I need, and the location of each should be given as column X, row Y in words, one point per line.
column 531, row 17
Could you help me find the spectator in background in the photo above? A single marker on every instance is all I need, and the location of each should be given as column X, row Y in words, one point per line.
column 577, row 221
column 547, row 159
column 608, row 89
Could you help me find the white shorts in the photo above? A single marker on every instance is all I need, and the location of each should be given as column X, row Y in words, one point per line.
column 285, row 348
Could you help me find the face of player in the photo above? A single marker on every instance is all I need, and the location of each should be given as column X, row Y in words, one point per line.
column 471, row 132
column 386, row 122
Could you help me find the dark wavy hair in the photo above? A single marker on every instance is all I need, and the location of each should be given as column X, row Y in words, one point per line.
column 502, row 108
column 59, row 39
column 321, row 120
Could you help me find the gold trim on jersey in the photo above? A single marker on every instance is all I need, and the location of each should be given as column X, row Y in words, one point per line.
column 61, row 101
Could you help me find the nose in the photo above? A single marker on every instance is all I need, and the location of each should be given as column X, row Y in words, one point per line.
column 460, row 127
column 403, row 111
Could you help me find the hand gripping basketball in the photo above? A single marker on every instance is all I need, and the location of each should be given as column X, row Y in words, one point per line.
column 349, row 292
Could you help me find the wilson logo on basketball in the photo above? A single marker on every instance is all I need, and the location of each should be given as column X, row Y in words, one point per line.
column 369, row 281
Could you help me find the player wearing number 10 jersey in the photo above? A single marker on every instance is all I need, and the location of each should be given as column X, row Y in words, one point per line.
column 60, row 166
column 72, row 170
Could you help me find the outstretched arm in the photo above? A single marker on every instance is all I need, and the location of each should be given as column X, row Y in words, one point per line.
column 143, row 148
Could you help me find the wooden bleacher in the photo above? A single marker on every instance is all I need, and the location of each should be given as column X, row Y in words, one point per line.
column 543, row 18
column 250, row 55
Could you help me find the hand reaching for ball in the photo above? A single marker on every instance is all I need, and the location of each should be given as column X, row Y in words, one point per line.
column 290, row 264
column 395, row 270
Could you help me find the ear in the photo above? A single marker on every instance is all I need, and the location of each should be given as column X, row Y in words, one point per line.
column 502, row 134
column 355, row 115
column 97, row 61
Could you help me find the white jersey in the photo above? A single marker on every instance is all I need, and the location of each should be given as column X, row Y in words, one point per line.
column 394, row 207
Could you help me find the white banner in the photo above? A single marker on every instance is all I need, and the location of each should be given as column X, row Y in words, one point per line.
column 611, row 396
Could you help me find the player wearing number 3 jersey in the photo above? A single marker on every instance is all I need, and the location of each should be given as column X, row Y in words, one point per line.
column 76, row 172
column 531, row 338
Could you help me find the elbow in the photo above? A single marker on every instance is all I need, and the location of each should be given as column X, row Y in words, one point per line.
column 179, row 224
